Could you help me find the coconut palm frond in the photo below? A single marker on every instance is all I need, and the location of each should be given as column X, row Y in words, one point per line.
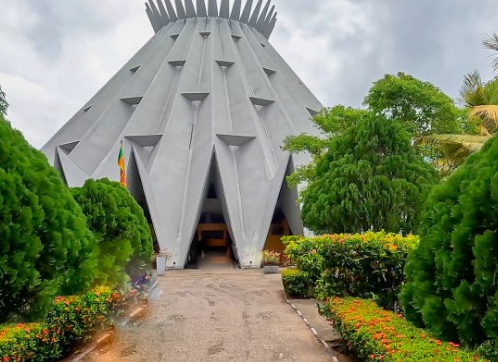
column 471, row 82
column 488, row 114
column 491, row 92
column 492, row 44
column 472, row 91
column 454, row 149
column 470, row 142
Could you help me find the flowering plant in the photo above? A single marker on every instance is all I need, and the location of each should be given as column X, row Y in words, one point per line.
column 358, row 265
column 69, row 321
column 271, row 258
column 379, row 335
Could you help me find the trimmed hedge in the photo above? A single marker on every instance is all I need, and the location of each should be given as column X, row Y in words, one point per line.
column 378, row 335
column 296, row 283
column 70, row 320
column 359, row 265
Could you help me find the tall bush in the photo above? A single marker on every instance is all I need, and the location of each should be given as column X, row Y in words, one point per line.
column 45, row 245
column 371, row 178
column 123, row 236
column 452, row 276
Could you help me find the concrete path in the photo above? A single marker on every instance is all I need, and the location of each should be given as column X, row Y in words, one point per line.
column 309, row 311
column 216, row 316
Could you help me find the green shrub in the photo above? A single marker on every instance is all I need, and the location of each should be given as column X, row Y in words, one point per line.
column 303, row 252
column 379, row 335
column 452, row 276
column 46, row 248
column 360, row 265
column 371, row 178
column 296, row 283
column 121, row 229
column 69, row 321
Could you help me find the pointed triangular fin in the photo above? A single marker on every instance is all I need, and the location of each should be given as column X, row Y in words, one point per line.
column 225, row 9
column 175, row 36
column 86, row 109
column 205, row 34
column 255, row 14
column 154, row 21
column 267, row 21
column 235, row 15
column 162, row 10
column 201, row 8
column 156, row 13
column 247, row 12
column 236, row 37
column 171, row 10
column 262, row 16
column 190, row 10
column 180, row 10
column 213, row 8
column 271, row 27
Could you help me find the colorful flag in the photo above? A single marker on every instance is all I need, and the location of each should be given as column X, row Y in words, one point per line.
column 121, row 163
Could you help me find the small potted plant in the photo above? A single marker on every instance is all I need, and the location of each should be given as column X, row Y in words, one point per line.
column 271, row 262
column 161, row 259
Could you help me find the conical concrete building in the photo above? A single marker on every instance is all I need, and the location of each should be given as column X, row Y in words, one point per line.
column 202, row 110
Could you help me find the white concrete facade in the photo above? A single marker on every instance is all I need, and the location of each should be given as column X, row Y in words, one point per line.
column 207, row 100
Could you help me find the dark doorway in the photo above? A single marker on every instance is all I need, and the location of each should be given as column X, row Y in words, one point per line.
column 212, row 246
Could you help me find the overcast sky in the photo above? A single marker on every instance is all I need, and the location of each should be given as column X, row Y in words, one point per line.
column 55, row 54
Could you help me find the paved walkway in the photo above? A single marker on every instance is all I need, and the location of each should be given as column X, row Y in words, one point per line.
column 216, row 316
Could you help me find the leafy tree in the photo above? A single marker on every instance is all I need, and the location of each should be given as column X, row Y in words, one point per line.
column 331, row 122
column 419, row 106
column 371, row 178
column 45, row 246
column 3, row 103
column 120, row 227
column 451, row 278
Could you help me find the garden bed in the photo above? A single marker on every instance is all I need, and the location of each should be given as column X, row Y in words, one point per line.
column 69, row 322
column 375, row 334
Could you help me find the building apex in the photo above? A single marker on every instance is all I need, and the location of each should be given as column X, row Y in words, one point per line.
column 161, row 13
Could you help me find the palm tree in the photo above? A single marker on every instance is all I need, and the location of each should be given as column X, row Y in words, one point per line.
column 481, row 100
